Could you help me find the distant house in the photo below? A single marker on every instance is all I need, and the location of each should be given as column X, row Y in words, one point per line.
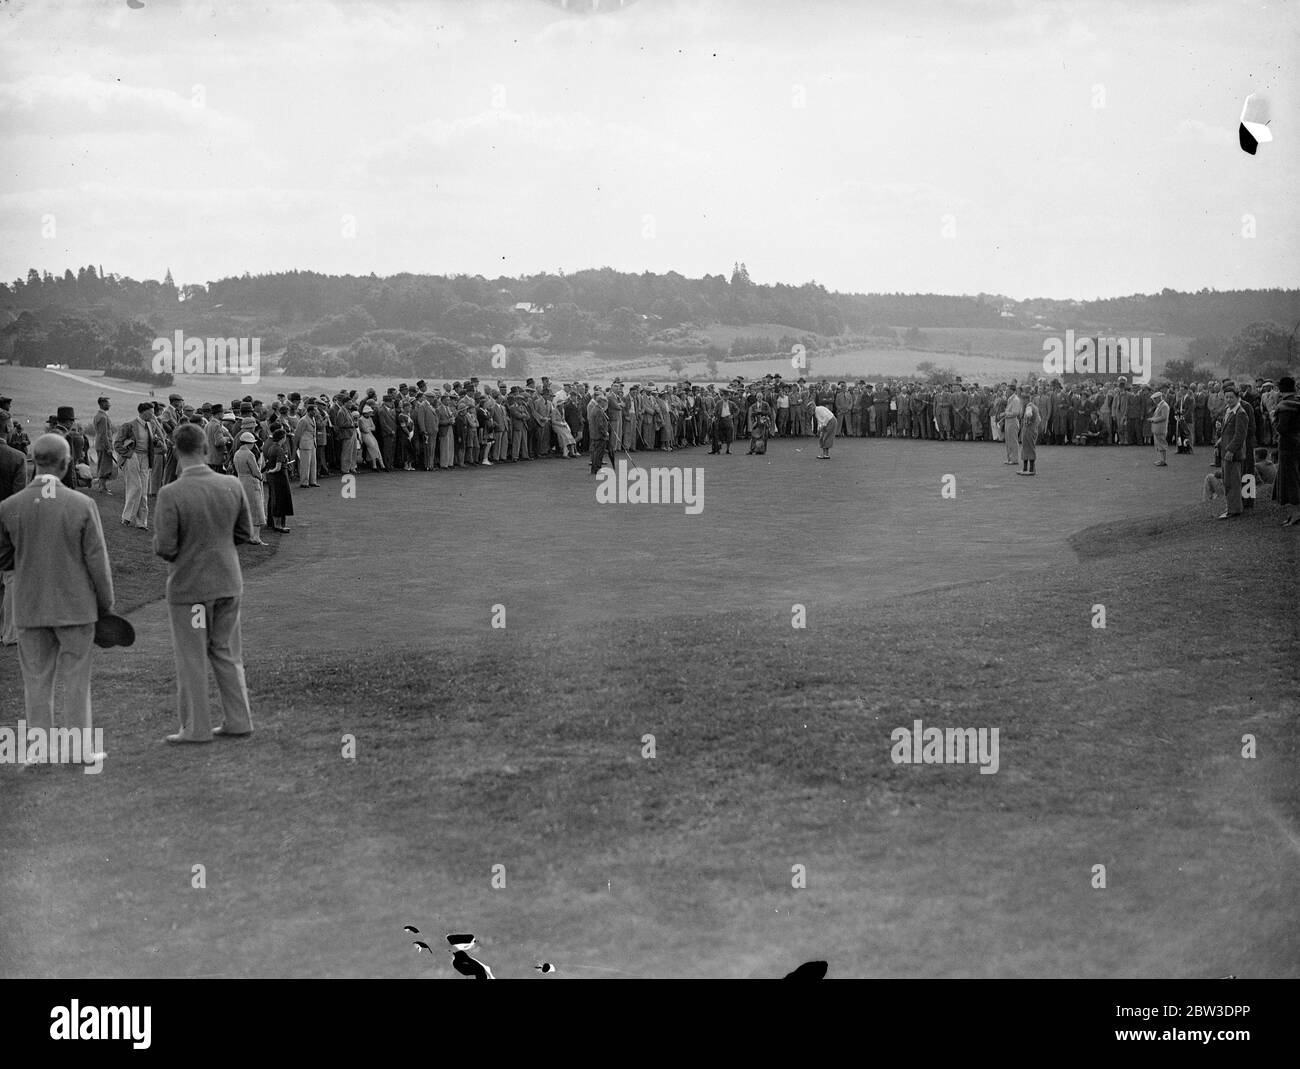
column 529, row 309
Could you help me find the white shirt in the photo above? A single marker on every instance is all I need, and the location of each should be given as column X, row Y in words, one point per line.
column 823, row 415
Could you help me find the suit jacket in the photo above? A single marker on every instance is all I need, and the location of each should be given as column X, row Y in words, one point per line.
column 1248, row 450
column 597, row 421
column 54, row 543
column 1232, row 439
column 1159, row 420
column 137, row 437
column 304, row 434
column 219, row 441
column 343, row 425
column 200, row 519
column 103, row 432
column 426, row 419
column 13, row 471
column 537, row 409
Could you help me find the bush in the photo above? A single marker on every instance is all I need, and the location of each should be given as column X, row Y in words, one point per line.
column 935, row 374
column 136, row 373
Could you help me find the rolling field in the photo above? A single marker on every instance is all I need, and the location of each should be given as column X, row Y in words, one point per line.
column 977, row 354
column 517, row 751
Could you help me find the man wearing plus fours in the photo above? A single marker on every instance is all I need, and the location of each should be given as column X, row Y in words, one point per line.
column 201, row 517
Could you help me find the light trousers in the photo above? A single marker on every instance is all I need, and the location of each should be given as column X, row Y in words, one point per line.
column 1011, row 429
column 8, row 632
column 47, row 654
column 136, row 472
column 307, row 466
column 348, row 455
column 209, row 638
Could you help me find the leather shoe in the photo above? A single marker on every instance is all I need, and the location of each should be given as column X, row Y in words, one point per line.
column 179, row 738
column 221, row 732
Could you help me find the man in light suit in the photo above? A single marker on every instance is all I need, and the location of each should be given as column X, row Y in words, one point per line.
column 201, row 517
column 1232, row 443
column 52, row 540
column 135, row 444
column 1159, row 422
column 13, row 477
column 1011, row 425
column 304, row 440
column 426, row 426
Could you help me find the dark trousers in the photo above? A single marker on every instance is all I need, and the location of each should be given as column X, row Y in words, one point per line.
column 1232, row 486
column 598, row 447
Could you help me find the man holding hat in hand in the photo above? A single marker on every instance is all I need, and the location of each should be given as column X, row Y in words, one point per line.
column 52, row 539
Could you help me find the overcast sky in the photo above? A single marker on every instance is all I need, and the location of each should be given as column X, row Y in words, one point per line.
column 1069, row 149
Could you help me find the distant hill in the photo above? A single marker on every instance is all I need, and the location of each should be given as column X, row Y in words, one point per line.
column 407, row 324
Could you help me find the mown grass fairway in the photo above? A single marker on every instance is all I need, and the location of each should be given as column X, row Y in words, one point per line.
column 521, row 746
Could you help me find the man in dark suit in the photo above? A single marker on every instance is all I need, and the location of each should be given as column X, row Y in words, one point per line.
column 13, row 471
column 201, row 517
column 1248, row 450
column 1232, row 443
column 65, row 423
column 219, row 440
column 598, row 426
column 386, row 429
column 52, row 540
column 105, row 466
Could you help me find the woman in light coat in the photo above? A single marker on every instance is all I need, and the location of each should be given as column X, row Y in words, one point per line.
column 370, row 444
column 250, row 478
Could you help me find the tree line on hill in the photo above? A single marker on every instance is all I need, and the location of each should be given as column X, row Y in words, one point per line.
column 449, row 325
